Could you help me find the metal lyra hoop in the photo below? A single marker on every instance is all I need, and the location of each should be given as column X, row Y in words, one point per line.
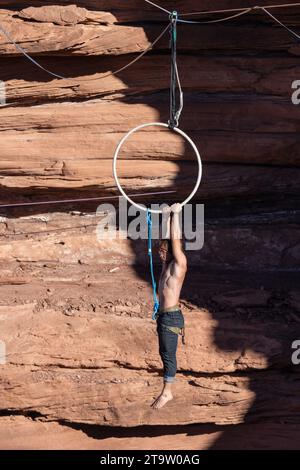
column 179, row 131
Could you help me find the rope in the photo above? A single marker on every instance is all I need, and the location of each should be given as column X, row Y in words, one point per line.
column 240, row 12
column 67, row 201
column 217, row 21
column 280, row 23
column 158, row 6
column 230, row 10
column 245, row 11
column 20, row 49
column 155, row 299
column 175, row 81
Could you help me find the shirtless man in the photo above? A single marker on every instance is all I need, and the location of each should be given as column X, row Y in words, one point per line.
column 170, row 321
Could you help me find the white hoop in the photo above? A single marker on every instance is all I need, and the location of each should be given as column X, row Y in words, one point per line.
column 179, row 131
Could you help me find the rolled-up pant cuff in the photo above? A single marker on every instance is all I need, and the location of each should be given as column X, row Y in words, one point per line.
column 169, row 379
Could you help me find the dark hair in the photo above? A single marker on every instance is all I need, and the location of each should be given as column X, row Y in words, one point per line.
column 166, row 244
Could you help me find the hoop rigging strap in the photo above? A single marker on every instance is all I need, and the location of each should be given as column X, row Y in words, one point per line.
column 156, row 302
column 175, row 81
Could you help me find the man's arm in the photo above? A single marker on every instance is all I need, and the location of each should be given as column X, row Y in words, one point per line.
column 166, row 223
column 180, row 258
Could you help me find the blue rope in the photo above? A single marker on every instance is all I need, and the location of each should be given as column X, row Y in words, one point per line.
column 156, row 302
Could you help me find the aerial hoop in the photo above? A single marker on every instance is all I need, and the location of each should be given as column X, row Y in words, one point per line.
column 179, row 131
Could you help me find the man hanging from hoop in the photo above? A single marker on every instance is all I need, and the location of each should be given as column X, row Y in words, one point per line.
column 170, row 321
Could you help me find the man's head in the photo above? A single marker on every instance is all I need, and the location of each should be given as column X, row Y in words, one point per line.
column 165, row 250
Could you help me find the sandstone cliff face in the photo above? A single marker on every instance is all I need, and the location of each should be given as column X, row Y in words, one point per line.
column 81, row 347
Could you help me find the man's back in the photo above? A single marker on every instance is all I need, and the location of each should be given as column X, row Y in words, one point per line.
column 170, row 284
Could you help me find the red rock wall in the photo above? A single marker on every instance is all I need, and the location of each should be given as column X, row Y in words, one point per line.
column 57, row 141
column 61, row 134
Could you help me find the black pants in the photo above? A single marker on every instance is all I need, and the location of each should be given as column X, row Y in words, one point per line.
column 168, row 341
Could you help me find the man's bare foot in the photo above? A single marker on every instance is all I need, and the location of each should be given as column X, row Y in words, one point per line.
column 163, row 398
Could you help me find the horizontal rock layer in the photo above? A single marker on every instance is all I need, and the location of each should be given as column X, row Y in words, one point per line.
column 267, row 241
column 100, row 39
